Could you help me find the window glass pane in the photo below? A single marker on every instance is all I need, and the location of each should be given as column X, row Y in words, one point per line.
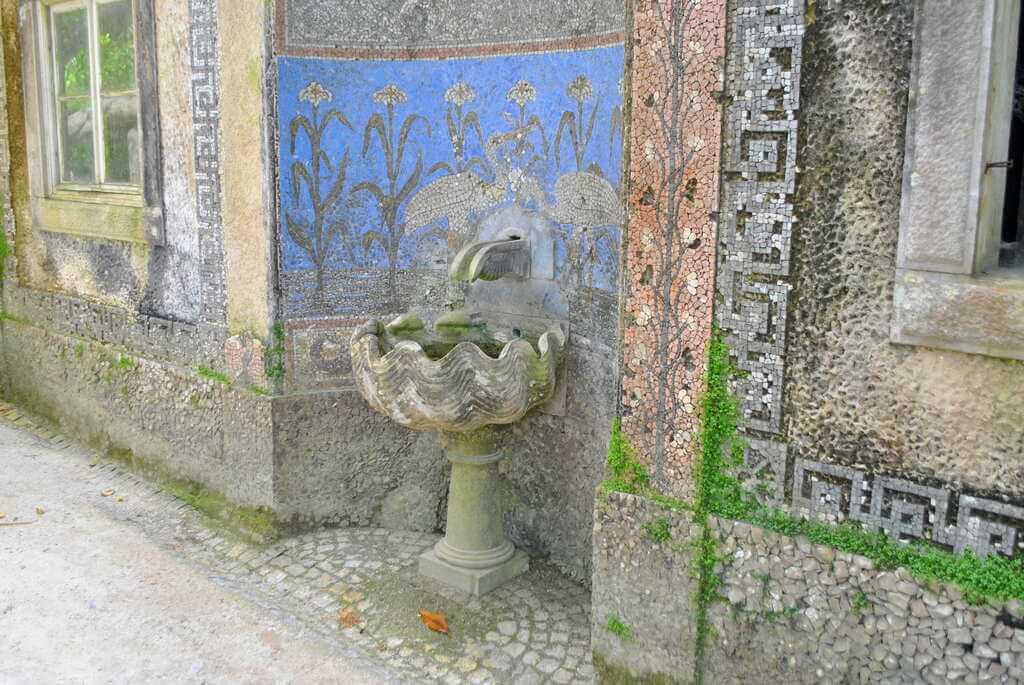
column 117, row 48
column 76, row 131
column 121, row 138
column 71, row 48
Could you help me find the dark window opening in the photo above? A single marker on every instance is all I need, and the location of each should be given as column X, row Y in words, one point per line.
column 1011, row 251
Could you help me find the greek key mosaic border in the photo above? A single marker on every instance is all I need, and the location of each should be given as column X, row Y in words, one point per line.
column 755, row 241
column 765, row 45
column 206, row 136
column 148, row 336
column 756, row 220
column 904, row 510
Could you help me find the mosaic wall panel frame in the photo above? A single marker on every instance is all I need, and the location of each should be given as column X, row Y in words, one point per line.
column 762, row 85
column 443, row 28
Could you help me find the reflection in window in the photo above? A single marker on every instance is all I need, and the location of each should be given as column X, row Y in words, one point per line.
column 93, row 53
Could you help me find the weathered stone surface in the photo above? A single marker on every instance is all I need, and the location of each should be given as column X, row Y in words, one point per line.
column 195, row 427
column 648, row 586
column 943, row 173
column 983, row 316
column 462, row 391
column 338, row 461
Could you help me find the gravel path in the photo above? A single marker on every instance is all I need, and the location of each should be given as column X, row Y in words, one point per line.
column 87, row 594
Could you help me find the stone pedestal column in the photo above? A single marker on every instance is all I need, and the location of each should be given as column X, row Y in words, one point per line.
column 475, row 555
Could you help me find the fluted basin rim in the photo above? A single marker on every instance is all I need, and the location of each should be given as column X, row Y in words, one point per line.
column 464, row 390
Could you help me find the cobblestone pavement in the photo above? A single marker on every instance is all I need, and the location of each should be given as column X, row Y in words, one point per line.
column 535, row 629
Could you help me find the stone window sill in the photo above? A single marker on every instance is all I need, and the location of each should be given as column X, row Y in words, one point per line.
column 120, row 217
column 978, row 315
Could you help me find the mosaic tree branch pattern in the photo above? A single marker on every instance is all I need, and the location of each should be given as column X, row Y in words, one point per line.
column 674, row 142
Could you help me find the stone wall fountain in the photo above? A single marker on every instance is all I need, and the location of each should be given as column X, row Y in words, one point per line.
column 469, row 373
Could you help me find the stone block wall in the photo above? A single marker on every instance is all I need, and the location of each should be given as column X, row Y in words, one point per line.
column 786, row 610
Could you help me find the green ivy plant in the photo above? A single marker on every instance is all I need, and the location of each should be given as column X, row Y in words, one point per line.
column 720, row 494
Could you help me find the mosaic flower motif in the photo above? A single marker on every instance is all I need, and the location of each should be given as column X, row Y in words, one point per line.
column 459, row 94
column 390, row 95
column 521, row 93
column 314, row 94
column 580, row 89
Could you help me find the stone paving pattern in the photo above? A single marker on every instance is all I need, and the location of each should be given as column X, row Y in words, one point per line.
column 534, row 630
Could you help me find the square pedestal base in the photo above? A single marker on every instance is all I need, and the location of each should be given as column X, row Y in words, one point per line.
column 474, row 581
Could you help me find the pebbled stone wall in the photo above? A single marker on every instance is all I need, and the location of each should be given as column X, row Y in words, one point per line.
column 789, row 611
column 801, row 613
column 650, row 587
column 851, row 397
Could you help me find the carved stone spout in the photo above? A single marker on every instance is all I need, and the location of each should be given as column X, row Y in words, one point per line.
column 489, row 261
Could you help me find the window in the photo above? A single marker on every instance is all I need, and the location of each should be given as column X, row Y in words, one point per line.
column 93, row 119
column 95, row 96
column 1011, row 249
column 957, row 285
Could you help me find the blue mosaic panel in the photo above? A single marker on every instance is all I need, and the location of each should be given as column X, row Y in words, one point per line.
column 388, row 167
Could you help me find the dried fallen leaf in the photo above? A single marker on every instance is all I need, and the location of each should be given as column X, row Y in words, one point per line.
column 107, row 493
column 436, row 622
column 348, row 618
column 2, row 515
column 120, row 499
column 40, row 511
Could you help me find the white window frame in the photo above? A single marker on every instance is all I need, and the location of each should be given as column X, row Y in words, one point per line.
column 48, row 40
column 113, row 211
column 949, row 292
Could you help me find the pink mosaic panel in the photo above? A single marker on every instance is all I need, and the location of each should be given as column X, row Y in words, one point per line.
column 674, row 143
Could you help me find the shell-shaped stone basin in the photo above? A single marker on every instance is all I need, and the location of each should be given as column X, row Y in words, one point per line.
column 455, row 376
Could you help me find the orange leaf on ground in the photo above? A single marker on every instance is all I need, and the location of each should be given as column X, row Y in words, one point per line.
column 349, row 618
column 436, row 622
